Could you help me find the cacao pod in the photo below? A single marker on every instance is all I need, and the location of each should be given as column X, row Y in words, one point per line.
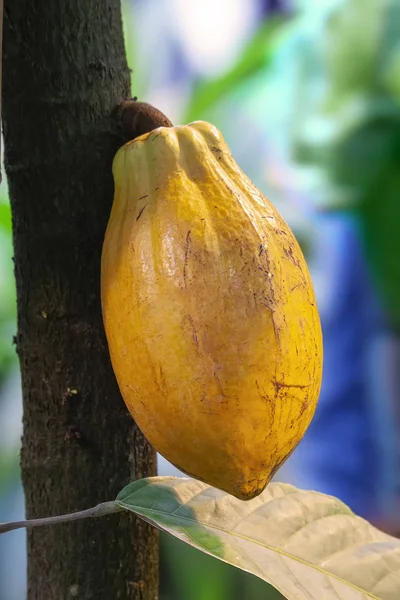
column 209, row 311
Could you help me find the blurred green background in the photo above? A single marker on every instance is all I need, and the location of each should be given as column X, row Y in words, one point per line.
column 307, row 96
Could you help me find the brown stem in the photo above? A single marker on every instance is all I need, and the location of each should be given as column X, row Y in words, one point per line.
column 137, row 118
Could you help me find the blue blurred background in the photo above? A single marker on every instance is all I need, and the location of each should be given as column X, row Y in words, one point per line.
column 307, row 95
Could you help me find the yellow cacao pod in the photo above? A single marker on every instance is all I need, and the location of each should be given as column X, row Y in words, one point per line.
column 209, row 311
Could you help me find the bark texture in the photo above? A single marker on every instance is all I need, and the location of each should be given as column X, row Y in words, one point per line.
column 65, row 72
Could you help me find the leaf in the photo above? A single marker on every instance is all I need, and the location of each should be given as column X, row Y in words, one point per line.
column 306, row 544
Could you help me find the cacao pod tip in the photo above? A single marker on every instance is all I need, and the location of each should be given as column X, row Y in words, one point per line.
column 137, row 118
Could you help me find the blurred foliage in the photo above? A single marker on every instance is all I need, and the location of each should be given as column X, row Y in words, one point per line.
column 348, row 131
column 9, row 470
column 5, row 214
column 7, row 290
column 195, row 575
column 255, row 56
column 137, row 85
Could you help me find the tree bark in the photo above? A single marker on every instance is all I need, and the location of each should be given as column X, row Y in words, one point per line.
column 65, row 72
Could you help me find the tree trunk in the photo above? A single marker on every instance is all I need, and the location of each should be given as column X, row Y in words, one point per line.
column 65, row 72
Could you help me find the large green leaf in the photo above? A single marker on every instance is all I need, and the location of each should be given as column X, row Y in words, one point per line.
column 308, row 545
